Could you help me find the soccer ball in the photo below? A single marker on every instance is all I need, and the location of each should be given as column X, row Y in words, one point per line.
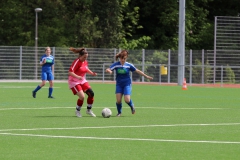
column 106, row 113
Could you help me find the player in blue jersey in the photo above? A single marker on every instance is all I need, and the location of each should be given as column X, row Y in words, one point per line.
column 47, row 63
column 123, row 80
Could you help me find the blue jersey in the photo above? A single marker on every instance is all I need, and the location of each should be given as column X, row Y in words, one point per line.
column 47, row 67
column 123, row 72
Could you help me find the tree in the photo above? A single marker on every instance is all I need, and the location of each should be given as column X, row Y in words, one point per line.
column 108, row 13
column 129, row 24
column 15, row 18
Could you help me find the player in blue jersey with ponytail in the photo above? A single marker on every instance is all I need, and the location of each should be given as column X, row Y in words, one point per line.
column 123, row 80
column 47, row 63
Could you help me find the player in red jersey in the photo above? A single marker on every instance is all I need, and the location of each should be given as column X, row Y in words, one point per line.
column 77, row 81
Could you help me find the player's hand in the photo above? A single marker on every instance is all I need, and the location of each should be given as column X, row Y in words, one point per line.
column 94, row 74
column 80, row 77
column 148, row 77
column 108, row 71
column 44, row 61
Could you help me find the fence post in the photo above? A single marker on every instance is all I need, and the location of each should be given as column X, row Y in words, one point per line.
column 160, row 73
column 203, row 66
column 143, row 62
column 20, row 64
column 190, row 76
column 103, row 72
column 169, row 63
column 221, row 75
column 214, row 58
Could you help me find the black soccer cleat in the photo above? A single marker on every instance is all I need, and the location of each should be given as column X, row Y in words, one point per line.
column 34, row 94
column 133, row 110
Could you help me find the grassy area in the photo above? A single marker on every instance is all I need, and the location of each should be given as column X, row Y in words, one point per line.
column 170, row 123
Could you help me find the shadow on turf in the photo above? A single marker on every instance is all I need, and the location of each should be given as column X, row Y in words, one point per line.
column 55, row 116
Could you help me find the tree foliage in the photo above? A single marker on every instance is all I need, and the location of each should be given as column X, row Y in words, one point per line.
column 131, row 24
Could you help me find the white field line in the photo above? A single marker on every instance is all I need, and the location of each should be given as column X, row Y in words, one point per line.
column 165, row 108
column 126, row 139
column 3, row 109
column 107, row 127
column 33, row 87
column 5, row 132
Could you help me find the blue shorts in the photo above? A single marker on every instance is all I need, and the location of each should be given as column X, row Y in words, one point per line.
column 126, row 90
column 47, row 76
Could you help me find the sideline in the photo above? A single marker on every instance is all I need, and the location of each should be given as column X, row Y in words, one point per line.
column 209, row 85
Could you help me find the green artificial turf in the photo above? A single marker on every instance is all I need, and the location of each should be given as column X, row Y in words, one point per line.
column 170, row 123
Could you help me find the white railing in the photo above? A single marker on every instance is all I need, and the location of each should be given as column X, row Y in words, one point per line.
column 18, row 63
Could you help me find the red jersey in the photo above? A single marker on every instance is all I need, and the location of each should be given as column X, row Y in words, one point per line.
column 79, row 68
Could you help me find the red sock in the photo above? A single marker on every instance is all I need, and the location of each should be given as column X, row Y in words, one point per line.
column 79, row 102
column 90, row 100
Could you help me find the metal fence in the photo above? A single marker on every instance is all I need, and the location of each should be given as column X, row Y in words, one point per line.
column 18, row 63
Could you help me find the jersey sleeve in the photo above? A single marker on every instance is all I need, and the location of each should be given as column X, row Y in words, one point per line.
column 113, row 66
column 132, row 68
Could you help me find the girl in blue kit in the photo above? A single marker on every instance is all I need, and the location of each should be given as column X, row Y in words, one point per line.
column 47, row 63
column 123, row 80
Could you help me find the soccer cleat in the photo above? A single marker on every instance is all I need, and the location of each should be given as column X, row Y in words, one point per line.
column 90, row 112
column 133, row 110
column 34, row 94
column 50, row 97
column 78, row 114
column 119, row 115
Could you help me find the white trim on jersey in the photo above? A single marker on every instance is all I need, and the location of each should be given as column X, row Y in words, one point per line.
column 75, row 64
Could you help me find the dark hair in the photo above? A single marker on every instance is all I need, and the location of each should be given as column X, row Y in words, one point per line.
column 80, row 51
column 121, row 54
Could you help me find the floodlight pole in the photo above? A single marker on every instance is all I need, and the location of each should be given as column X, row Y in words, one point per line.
column 181, row 43
column 36, row 40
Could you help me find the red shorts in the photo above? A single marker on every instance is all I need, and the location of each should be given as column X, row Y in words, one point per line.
column 80, row 87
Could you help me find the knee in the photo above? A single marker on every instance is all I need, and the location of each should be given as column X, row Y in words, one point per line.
column 51, row 84
column 80, row 96
column 127, row 100
column 90, row 92
column 42, row 84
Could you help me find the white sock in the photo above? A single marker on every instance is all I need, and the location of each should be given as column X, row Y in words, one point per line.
column 78, row 108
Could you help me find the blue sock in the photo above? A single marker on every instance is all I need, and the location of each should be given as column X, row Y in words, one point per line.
column 119, row 107
column 36, row 89
column 50, row 90
column 130, row 103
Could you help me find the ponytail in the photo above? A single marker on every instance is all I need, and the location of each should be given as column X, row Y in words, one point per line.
column 117, row 56
column 80, row 51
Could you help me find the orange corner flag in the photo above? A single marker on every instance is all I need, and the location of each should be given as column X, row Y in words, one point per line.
column 184, row 86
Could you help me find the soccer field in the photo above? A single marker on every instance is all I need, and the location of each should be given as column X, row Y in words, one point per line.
column 169, row 123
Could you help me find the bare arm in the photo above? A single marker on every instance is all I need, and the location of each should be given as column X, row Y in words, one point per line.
column 143, row 74
column 74, row 75
column 91, row 72
column 108, row 70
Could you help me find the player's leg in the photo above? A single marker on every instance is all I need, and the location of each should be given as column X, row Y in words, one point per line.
column 44, row 78
column 119, row 94
column 127, row 97
column 77, row 90
column 88, row 90
column 119, row 103
column 50, row 79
